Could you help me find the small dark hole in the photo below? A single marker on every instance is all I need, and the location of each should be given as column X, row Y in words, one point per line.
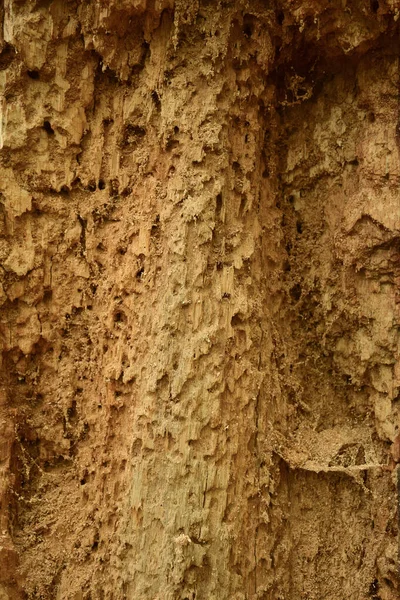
column 371, row 117
column 248, row 31
column 155, row 225
column 236, row 165
column 219, row 203
column 118, row 317
column 248, row 25
column 33, row 74
column 92, row 186
column 374, row 587
column 289, row 96
column 299, row 227
column 171, row 144
column 301, row 92
column 65, row 190
column 133, row 134
column 176, row 130
column 236, row 320
column 280, row 17
column 226, row 295
column 156, row 99
column 48, row 128
column 265, row 173
column 95, row 545
column 7, row 55
column 139, row 273
column 83, row 481
column 71, row 410
column 126, row 192
column 286, row 266
column 114, row 188
column 389, row 583
column 102, row 184
column 295, row 292
column 374, row 6
column 291, row 199
column 219, row 266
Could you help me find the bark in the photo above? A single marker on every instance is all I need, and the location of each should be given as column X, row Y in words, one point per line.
column 200, row 271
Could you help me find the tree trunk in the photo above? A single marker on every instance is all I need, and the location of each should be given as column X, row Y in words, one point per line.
column 200, row 256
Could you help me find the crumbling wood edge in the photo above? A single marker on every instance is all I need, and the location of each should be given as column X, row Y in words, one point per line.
column 353, row 471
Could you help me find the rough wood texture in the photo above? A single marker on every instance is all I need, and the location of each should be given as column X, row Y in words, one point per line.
column 200, row 257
